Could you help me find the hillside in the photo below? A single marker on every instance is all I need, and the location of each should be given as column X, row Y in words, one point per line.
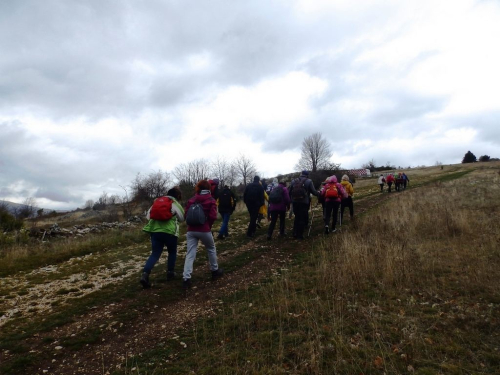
column 410, row 286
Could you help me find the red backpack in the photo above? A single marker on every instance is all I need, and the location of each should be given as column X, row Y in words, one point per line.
column 161, row 209
column 332, row 192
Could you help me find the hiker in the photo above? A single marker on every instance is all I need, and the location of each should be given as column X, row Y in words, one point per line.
column 406, row 180
column 279, row 203
column 300, row 191
column 164, row 233
column 200, row 230
column 399, row 182
column 214, row 188
column 226, row 205
column 270, row 188
column 389, row 180
column 381, row 182
column 263, row 210
column 333, row 194
column 254, row 199
column 347, row 202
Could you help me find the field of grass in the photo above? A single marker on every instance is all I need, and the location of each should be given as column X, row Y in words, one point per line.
column 410, row 287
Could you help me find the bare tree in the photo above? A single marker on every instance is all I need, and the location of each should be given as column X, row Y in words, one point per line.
column 89, row 204
column 315, row 153
column 232, row 175
column 154, row 185
column 220, row 169
column 192, row 172
column 28, row 208
column 245, row 168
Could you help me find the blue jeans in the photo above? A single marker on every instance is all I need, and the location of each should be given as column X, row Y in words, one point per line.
column 158, row 241
column 225, row 224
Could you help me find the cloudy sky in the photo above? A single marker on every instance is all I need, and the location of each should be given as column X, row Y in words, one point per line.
column 93, row 92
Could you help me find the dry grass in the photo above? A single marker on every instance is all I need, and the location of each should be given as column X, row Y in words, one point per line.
column 412, row 288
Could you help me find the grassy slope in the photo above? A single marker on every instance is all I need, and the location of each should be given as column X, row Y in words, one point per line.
column 302, row 321
column 413, row 288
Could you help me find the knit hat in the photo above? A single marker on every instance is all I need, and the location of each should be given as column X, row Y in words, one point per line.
column 256, row 179
column 345, row 178
column 305, row 173
column 215, row 181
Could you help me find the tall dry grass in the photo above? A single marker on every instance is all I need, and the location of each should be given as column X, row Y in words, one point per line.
column 410, row 288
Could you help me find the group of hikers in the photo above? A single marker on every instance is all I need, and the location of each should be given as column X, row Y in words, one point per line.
column 262, row 201
column 400, row 180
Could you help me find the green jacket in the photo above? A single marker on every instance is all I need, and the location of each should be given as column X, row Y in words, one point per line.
column 169, row 226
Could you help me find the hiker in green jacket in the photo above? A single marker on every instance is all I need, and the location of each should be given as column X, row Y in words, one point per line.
column 164, row 233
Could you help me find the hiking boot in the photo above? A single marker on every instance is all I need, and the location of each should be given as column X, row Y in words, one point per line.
column 326, row 229
column 170, row 275
column 258, row 225
column 220, row 237
column 269, row 238
column 217, row 274
column 333, row 230
column 145, row 280
column 187, row 284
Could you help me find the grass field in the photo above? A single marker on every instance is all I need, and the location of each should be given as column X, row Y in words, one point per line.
column 409, row 287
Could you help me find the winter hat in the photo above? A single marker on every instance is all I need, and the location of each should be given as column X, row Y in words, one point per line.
column 305, row 173
column 256, row 179
column 345, row 178
column 215, row 181
column 331, row 180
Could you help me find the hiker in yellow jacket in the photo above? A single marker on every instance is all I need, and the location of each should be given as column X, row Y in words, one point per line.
column 347, row 202
column 263, row 209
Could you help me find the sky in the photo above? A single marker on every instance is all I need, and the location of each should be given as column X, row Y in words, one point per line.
column 94, row 92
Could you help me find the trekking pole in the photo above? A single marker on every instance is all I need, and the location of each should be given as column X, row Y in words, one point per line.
column 340, row 217
column 312, row 218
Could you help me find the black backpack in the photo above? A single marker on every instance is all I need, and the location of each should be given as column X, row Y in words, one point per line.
column 225, row 200
column 254, row 193
column 299, row 191
column 276, row 195
column 195, row 215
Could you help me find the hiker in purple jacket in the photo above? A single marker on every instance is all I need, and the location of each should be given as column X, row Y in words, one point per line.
column 279, row 203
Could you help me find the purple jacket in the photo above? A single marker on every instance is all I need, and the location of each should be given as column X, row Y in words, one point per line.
column 209, row 207
column 284, row 204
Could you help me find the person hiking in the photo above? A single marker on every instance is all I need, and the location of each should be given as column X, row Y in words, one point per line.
column 226, row 205
column 300, row 191
column 214, row 188
column 164, row 233
column 254, row 199
column 263, row 210
column 333, row 194
column 389, row 179
column 279, row 203
column 200, row 230
column 406, row 180
column 270, row 188
column 347, row 202
column 381, row 182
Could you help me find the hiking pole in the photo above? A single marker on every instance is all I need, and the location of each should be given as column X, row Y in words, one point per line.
column 312, row 218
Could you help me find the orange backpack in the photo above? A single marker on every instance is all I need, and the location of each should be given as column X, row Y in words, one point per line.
column 332, row 192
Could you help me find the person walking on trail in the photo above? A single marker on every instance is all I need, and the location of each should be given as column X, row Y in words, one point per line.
column 347, row 202
column 201, row 212
column 226, row 205
column 270, row 188
column 279, row 203
column 333, row 194
column 214, row 188
column 263, row 210
column 300, row 191
column 381, row 182
column 389, row 180
column 254, row 199
column 163, row 233
column 406, row 180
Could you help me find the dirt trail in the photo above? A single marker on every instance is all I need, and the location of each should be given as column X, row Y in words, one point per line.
column 155, row 323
